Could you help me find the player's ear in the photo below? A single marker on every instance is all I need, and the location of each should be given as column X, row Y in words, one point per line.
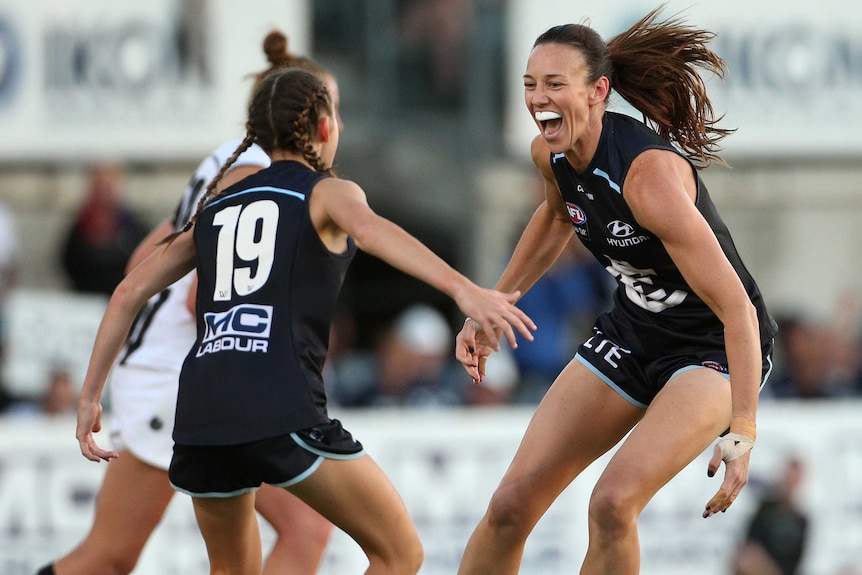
column 600, row 89
column 324, row 129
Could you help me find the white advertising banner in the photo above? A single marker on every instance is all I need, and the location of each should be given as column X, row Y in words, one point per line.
column 446, row 464
column 794, row 85
column 141, row 80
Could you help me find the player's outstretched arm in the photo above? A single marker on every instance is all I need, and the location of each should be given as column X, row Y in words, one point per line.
column 345, row 204
column 162, row 268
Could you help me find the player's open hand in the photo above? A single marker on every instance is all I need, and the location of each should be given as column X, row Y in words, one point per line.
column 735, row 450
column 90, row 422
column 496, row 313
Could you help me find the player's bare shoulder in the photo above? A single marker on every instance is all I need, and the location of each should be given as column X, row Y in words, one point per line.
column 542, row 157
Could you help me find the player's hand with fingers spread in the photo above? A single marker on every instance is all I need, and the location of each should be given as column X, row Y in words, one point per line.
column 735, row 450
column 90, row 422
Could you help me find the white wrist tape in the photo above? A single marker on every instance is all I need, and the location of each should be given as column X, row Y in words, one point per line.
column 734, row 445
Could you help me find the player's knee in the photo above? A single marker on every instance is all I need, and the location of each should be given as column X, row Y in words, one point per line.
column 509, row 510
column 414, row 555
column 120, row 565
column 611, row 511
column 404, row 559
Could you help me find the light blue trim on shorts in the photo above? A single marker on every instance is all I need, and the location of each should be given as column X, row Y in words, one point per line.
column 697, row 366
column 609, row 382
column 312, row 468
column 325, row 454
column 725, row 375
column 216, row 494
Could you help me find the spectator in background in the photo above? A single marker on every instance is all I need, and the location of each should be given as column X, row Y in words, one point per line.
column 407, row 367
column 817, row 359
column 564, row 302
column 103, row 235
column 60, row 397
column 434, row 35
column 8, row 401
column 775, row 539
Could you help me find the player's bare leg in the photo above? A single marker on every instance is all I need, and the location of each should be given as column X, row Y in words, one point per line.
column 131, row 501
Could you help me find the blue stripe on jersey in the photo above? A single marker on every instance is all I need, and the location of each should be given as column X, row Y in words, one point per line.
column 299, row 195
column 614, row 186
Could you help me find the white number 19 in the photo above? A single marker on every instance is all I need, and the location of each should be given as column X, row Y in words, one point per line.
column 250, row 241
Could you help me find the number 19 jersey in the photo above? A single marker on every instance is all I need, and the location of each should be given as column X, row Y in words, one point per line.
column 267, row 289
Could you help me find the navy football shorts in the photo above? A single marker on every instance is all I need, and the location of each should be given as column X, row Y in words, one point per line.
column 282, row 461
column 637, row 361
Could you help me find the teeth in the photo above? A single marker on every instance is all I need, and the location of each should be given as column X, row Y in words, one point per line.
column 545, row 116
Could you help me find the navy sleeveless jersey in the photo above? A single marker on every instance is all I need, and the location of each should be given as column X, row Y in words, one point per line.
column 651, row 291
column 267, row 289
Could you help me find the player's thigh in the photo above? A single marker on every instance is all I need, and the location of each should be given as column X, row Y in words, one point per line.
column 131, row 502
column 683, row 420
column 356, row 496
column 288, row 514
column 230, row 530
column 579, row 419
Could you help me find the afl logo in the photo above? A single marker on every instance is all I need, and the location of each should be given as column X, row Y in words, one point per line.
column 577, row 214
column 620, row 229
column 715, row 365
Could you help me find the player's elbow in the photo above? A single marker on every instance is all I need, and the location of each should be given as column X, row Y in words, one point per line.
column 127, row 295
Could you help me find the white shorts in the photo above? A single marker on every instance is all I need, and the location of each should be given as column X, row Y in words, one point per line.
column 143, row 403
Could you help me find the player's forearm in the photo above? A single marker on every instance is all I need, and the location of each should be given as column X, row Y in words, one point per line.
column 742, row 342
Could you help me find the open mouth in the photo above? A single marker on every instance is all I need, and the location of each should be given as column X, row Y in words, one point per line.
column 551, row 122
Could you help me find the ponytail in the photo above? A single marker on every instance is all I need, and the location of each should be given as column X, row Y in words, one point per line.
column 655, row 69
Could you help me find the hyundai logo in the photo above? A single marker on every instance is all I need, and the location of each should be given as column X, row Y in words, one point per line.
column 620, row 229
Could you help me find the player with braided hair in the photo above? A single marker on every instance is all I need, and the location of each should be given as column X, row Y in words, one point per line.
column 271, row 252
column 682, row 354
column 136, row 490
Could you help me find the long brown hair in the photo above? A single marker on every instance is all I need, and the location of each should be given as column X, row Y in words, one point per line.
column 654, row 67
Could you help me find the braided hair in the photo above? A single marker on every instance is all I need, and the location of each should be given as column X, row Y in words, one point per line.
column 283, row 115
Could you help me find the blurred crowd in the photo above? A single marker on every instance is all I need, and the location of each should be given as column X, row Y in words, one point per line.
column 407, row 359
